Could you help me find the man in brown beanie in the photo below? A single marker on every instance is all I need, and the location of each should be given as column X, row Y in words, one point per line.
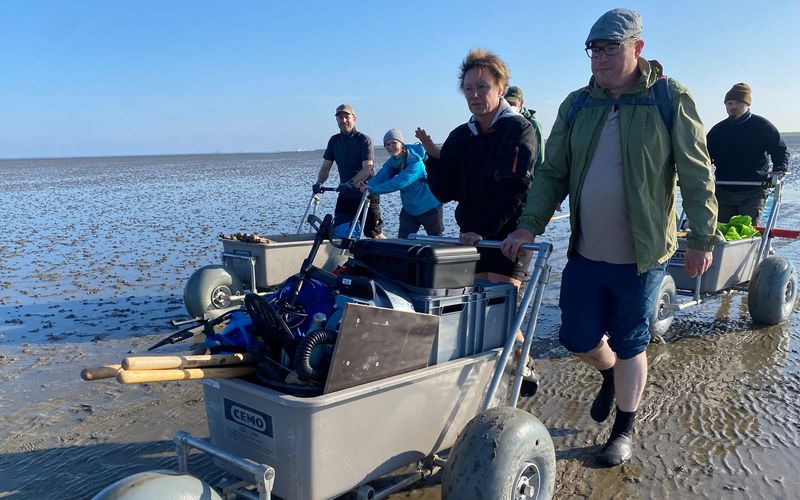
column 740, row 147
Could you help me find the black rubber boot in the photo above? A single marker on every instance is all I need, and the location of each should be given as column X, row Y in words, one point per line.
column 617, row 449
column 604, row 401
column 530, row 381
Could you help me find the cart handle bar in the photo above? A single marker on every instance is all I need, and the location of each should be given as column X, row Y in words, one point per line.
column 532, row 298
column 781, row 233
column 536, row 247
column 263, row 475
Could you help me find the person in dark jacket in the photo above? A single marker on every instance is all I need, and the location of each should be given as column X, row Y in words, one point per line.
column 352, row 152
column 741, row 147
column 485, row 165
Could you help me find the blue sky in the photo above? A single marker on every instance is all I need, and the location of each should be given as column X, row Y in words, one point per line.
column 159, row 77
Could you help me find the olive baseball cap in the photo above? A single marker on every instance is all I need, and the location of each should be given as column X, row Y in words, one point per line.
column 616, row 25
column 345, row 108
column 513, row 94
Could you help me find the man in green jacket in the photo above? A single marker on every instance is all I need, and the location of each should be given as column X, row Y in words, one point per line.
column 515, row 99
column 617, row 158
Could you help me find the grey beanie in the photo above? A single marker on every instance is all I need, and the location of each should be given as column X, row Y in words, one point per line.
column 394, row 135
column 616, row 25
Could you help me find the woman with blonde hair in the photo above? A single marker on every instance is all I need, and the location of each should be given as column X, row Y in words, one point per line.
column 485, row 165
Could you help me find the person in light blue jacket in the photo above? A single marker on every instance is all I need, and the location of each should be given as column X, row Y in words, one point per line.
column 404, row 171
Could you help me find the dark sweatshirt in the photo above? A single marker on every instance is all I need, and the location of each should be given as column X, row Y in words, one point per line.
column 740, row 148
column 487, row 173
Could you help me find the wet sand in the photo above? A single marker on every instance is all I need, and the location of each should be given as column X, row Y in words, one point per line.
column 92, row 268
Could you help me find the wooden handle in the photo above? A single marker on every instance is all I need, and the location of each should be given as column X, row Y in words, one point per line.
column 196, row 361
column 100, row 372
column 140, row 376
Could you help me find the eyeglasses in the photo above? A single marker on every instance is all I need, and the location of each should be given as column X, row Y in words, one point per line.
column 611, row 49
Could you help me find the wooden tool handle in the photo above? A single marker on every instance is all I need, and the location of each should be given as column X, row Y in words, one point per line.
column 140, row 376
column 100, row 372
column 196, row 361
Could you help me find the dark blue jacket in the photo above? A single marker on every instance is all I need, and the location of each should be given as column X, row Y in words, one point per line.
column 740, row 148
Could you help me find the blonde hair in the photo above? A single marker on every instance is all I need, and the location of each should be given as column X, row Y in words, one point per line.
column 482, row 58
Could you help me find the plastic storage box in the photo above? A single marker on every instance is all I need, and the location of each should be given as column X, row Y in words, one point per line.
column 470, row 323
column 323, row 446
column 276, row 260
column 416, row 265
column 733, row 264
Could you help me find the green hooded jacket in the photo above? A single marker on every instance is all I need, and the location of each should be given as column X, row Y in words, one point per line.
column 651, row 158
column 530, row 115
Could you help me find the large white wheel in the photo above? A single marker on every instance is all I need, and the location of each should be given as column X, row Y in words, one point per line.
column 158, row 484
column 208, row 291
column 502, row 453
column 773, row 291
column 663, row 315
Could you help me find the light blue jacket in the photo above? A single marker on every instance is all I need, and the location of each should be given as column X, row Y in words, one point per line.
column 407, row 175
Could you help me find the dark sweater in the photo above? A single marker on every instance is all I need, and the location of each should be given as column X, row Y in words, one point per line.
column 488, row 175
column 740, row 148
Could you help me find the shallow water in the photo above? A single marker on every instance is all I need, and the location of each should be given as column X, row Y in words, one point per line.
column 93, row 259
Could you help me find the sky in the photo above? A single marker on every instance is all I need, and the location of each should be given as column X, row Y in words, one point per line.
column 137, row 77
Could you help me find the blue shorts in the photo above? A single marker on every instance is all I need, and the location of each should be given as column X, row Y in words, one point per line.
column 599, row 298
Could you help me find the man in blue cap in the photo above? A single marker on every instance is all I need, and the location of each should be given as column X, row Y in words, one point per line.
column 616, row 148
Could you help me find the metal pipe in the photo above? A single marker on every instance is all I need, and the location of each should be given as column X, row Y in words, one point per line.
column 544, row 277
column 540, row 270
column 738, row 183
column 763, row 248
column 182, row 451
column 697, row 284
column 439, row 461
column 263, row 475
column 687, row 304
column 389, row 490
column 313, row 201
column 364, row 211
column 361, row 208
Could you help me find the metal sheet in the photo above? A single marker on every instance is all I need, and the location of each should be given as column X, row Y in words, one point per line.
column 376, row 343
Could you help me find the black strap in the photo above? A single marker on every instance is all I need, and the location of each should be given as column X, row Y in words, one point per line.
column 659, row 97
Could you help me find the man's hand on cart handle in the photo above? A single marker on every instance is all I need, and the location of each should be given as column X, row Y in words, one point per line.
column 317, row 188
column 696, row 262
column 510, row 246
column 469, row 238
column 345, row 186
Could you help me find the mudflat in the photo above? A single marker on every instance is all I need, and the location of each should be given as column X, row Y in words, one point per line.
column 92, row 265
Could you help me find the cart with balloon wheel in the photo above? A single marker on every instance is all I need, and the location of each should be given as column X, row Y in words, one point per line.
column 744, row 265
column 259, row 263
column 419, row 378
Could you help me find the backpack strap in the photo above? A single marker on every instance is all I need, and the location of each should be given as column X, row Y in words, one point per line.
column 660, row 92
column 658, row 97
column 578, row 104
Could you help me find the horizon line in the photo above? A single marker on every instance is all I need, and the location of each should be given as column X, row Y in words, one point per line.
column 215, row 153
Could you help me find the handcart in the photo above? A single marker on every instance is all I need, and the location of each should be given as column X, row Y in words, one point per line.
column 738, row 266
column 258, row 264
column 456, row 411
